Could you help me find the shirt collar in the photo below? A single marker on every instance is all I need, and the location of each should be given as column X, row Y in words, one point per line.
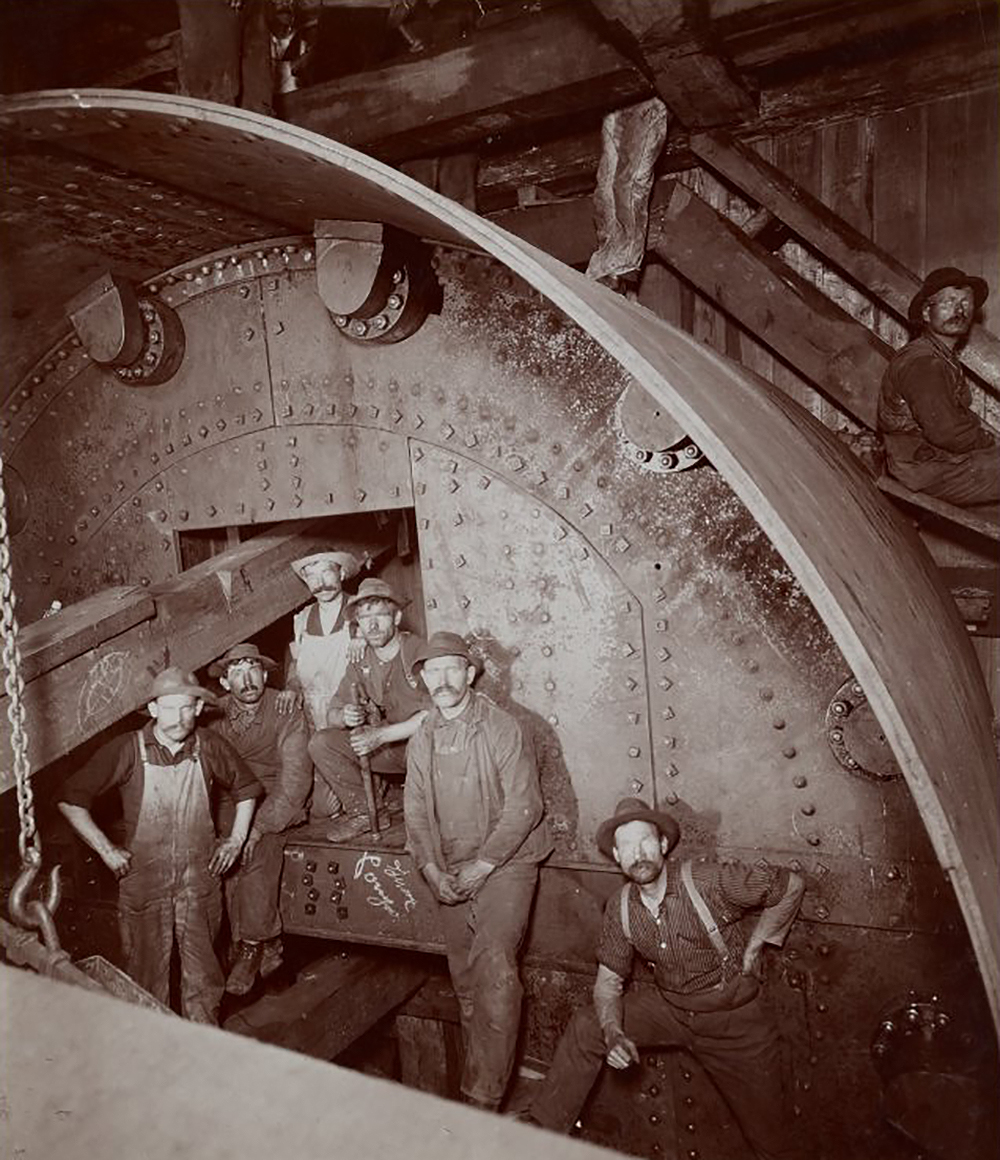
column 161, row 753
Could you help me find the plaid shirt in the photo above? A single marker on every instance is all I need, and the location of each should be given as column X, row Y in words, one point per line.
column 675, row 943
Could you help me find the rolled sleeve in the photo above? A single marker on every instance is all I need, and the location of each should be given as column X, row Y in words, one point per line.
column 750, row 887
column 522, row 804
column 112, row 765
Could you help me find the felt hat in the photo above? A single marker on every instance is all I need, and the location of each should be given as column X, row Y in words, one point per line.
column 443, row 644
column 349, row 566
column 635, row 810
column 372, row 588
column 239, row 652
column 937, row 280
column 177, row 680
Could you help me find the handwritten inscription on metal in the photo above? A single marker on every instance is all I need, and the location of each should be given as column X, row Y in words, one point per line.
column 387, row 880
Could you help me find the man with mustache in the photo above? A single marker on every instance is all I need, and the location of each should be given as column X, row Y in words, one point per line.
column 475, row 826
column 684, row 920
column 320, row 649
column 381, row 684
column 275, row 745
column 171, row 861
column 933, row 441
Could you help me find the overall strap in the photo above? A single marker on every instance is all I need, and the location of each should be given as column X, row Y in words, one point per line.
column 707, row 921
column 142, row 747
column 626, row 925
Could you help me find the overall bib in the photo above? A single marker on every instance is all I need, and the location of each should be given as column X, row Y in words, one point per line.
column 320, row 662
column 168, row 891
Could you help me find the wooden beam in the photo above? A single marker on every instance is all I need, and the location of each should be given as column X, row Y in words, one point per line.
column 550, row 64
column 209, row 64
column 779, row 307
column 698, row 84
column 985, row 523
column 73, row 695
column 333, row 1002
column 889, row 282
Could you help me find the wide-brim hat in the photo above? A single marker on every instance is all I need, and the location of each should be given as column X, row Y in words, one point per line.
column 635, row 810
column 937, row 280
column 372, row 588
column 177, row 680
column 349, row 565
column 239, row 652
column 443, row 644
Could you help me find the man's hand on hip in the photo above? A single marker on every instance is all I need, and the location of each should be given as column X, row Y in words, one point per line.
column 621, row 1050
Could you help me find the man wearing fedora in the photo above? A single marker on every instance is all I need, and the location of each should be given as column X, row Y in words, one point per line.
column 380, row 684
column 171, row 861
column 933, row 440
column 476, row 828
column 320, row 648
column 275, row 745
column 684, row 920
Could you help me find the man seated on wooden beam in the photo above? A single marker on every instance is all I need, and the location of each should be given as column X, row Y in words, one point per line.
column 933, row 441
column 275, row 745
column 378, row 707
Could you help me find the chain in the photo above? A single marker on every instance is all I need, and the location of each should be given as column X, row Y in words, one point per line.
column 29, row 842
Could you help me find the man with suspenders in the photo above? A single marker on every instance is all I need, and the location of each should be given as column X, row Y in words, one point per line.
column 684, row 921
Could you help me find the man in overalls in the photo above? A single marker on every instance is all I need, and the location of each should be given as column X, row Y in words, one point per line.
column 321, row 637
column 475, row 826
column 684, row 920
column 171, row 862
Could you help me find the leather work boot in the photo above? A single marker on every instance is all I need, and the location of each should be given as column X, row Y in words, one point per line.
column 347, row 826
column 272, row 956
column 244, row 973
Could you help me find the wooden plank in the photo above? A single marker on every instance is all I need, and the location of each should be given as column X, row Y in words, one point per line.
column 844, row 246
column 550, row 64
column 54, row 640
column 778, row 306
column 429, row 1054
column 198, row 615
column 88, row 1075
column 965, row 517
column 333, row 1003
column 209, row 62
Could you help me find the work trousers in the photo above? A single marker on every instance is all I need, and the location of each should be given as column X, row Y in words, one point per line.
column 252, row 892
column 338, row 770
column 964, row 480
column 148, row 930
column 739, row 1049
column 483, row 937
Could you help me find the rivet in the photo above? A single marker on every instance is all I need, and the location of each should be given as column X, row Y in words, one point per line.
column 661, row 626
column 360, row 495
column 211, row 510
column 809, row 809
column 789, row 751
column 665, row 683
column 778, row 723
column 182, row 516
column 546, row 648
column 800, row 782
column 892, row 873
column 545, row 617
column 464, row 602
column 550, row 686
column 663, row 654
column 460, row 561
column 751, row 666
column 431, row 603
column 814, row 840
column 822, row 911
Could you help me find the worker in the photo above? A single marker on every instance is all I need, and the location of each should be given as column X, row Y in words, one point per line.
column 171, row 861
column 684, row 921
column 933, row 441
column 275, row 746
column 475, row 826
column 377, row 709
column 321, row 639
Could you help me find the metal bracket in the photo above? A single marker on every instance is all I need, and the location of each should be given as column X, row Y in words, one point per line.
column 376, row 281
column 141, row 339
column 855, row 736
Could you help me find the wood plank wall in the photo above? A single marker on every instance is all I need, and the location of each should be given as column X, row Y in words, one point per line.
column 923, row 182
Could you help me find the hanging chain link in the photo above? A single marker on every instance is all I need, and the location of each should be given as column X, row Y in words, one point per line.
column 29, row 842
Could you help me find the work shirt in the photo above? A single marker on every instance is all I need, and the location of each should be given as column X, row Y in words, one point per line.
column 676, row 943
column 472, row 790
column 392, row 685
column 924, row 404
column 117, row 765
column 276, row 748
